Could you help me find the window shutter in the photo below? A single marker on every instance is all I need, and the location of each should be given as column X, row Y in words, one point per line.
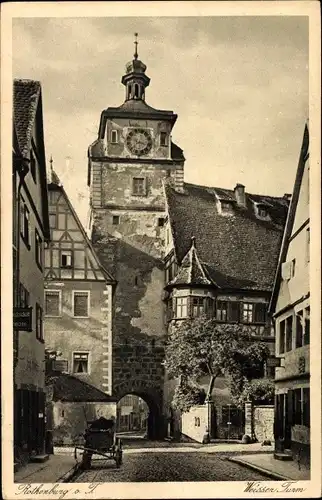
column 52, row 303
column 260, row 313
column 81, row 304
column 233, row 311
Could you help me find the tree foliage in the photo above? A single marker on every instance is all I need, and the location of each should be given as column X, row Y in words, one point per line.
column 204, row 347
column 258, row 391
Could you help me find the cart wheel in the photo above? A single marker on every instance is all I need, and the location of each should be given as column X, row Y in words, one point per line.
column 118, row 458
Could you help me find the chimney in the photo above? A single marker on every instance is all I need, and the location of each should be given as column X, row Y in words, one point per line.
column 240, row 195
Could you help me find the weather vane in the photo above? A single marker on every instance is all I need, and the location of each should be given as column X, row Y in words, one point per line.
column 136, row 46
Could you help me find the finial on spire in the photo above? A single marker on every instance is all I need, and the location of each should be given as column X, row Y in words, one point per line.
column 193, row 241
column 51, row 161
column 136, row 46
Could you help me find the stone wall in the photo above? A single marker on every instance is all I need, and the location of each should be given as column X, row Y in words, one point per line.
column 263, row 423
column 68, row 420
column 194, row 423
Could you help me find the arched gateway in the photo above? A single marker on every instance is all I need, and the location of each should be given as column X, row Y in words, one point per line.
column 129, row 161
column 153, row 399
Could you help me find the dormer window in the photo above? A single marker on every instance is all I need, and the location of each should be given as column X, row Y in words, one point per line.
column 114, row 137
column 226, row 207
column 262, row 212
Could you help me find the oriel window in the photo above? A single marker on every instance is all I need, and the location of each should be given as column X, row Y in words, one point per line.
column 182, row 307
column 248, row 312
column 198, row 306
column 80, row 362
column 221, row 311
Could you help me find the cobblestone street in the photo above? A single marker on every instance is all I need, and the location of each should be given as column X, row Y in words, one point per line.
column 168, row 463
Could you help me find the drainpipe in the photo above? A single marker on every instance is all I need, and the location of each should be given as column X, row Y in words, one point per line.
column 20, row 166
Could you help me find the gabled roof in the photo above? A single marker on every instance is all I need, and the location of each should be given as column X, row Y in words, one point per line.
column 237, row 251
column 291, row 215
column 71, row 389
column 191, row 271
column 26, row 94
column 56, row 185
column 27, row 110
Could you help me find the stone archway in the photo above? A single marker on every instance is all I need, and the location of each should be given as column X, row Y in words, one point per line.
column 153, row 398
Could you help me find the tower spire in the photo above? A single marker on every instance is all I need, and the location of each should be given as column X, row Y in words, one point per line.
column 136, row 43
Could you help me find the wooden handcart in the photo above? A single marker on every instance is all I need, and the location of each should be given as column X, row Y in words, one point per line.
column 100, row 439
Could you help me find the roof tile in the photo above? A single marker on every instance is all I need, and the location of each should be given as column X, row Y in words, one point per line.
column 237, row 251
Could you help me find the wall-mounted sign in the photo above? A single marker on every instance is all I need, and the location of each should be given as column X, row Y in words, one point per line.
column 273, row 362
column 22, row 319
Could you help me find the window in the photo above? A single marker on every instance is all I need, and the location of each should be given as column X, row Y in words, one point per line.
column 53, row 303
column 301, row 406
column 308, row 245
column 139, row 186
column 306, row 339
column 25, row 223
column 161, row 221
column 114, row 137
column 182, row 307
column 52, row 221
column 66, row 258
column 197, row 422
column 306, row 406
column 260, row 313
column 198, row 306
column 23, row 296
column 169, row 310
column 282, row 337
column 247, row 312
column 81, row 304
column 33, row 165
column 289, row 334
column 293, row 268
column 262, row 212
column 299, row 329
column 221, row 313
column 163, row 139
column 226, row 207
column 80, row 362
column 116, row 220
column 39, row 323
column 136, row 90
column 38, row 249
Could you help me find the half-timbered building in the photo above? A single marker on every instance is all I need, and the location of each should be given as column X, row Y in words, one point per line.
column 78, row 304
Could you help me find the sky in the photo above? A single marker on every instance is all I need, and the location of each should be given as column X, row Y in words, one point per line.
column 239, row 86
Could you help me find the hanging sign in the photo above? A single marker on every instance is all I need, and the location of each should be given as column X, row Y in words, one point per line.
column 22, row 319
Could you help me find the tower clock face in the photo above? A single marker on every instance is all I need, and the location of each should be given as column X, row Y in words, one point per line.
column 139, row 141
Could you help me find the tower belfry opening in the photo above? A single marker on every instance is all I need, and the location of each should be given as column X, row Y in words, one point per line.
column 135, row 79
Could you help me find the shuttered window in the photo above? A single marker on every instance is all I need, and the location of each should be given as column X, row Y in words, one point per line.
column 52, row 303
column 233, row 312
column 81, row 304
column 260, row 313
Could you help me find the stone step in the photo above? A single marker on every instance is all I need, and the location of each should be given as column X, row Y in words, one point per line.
column 283, row 456
column 39, row 458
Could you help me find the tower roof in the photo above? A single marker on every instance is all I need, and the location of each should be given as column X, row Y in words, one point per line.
column 191, row 271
